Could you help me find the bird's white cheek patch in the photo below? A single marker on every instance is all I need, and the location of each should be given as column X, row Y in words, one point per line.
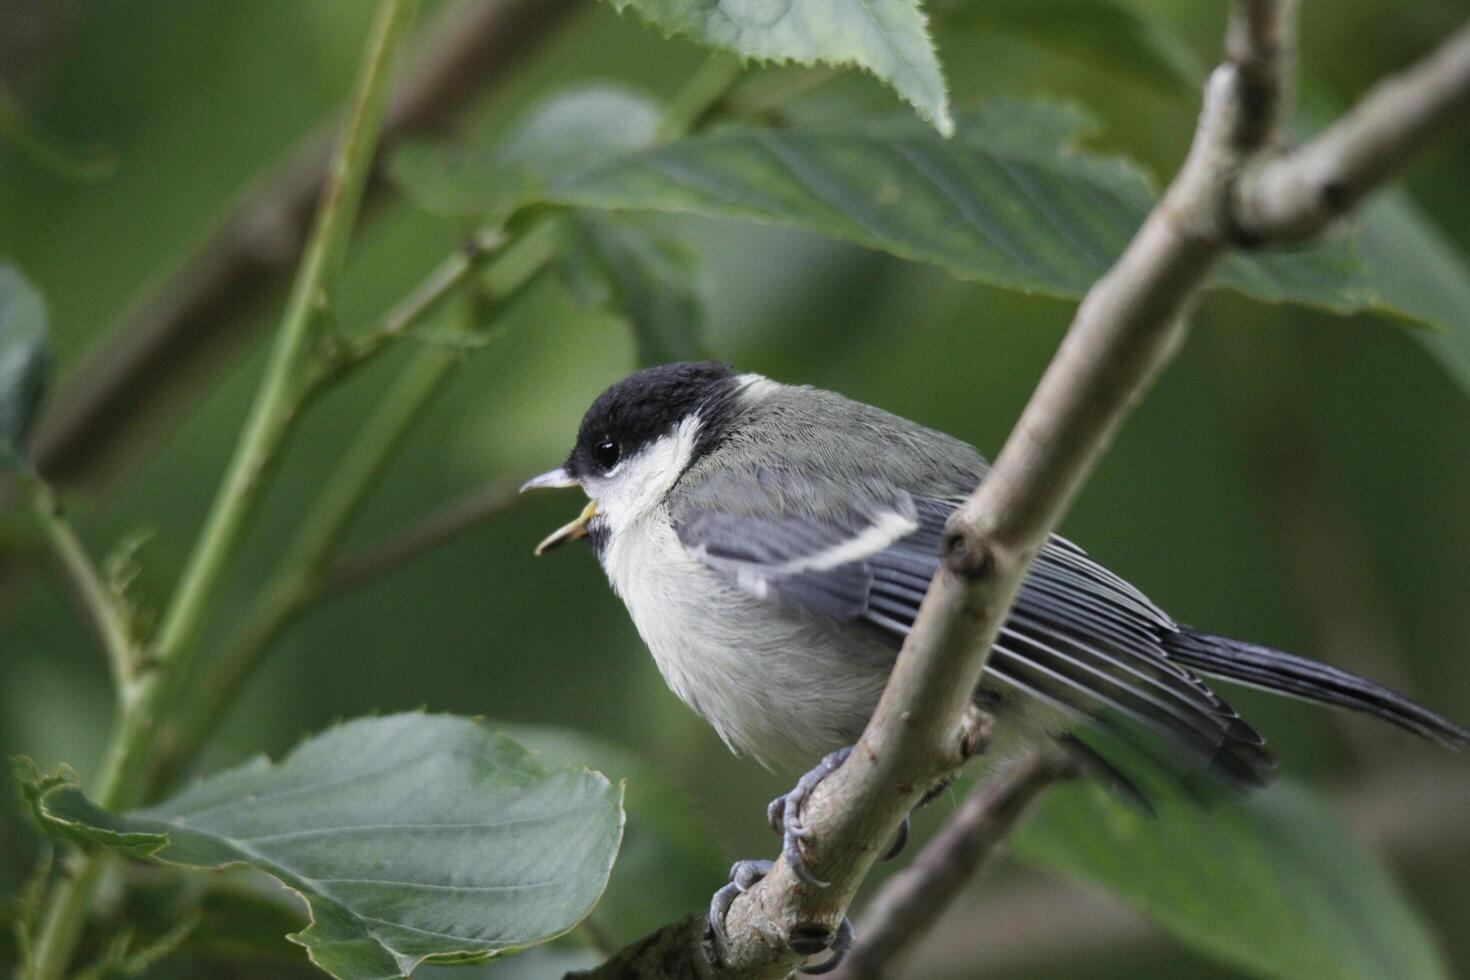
column 640, row 482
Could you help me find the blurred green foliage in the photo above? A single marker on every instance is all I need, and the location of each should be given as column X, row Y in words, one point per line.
column 195, row 100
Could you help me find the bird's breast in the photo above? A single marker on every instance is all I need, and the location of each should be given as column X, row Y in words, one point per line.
column 783, row 686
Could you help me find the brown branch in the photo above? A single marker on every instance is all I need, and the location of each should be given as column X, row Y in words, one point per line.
column 1260, row 41
column 910, row 902
column 1296, row 195
column 1124, row 332
column 210, row 301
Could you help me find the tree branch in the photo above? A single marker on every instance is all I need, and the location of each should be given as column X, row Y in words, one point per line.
column 217, row 291
column 1260, row 39
column 1126, row 329
column 910, row 902
column 1296, row 195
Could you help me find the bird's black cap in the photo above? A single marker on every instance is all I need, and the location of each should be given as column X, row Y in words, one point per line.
column 649, row 404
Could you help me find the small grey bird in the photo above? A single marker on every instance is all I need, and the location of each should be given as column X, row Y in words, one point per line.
column 773, row 543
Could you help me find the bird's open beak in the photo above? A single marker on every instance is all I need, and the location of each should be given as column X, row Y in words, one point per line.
column 569, row 532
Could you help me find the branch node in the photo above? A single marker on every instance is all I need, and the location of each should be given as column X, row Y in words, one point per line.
column 966, row 554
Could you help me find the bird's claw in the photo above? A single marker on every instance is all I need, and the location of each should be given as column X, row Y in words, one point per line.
column 900, row 841
column 807, row 941
column 743, row 875
column 785, row 815
column 841, row 943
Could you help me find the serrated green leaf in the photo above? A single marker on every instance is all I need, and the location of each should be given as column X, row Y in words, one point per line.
column 1272, row 885
column 1009, row 201
column 888, row 38
column 631, row 268
column 565, row 132
column 25, row 361
column 413, row 838
column 999, row 202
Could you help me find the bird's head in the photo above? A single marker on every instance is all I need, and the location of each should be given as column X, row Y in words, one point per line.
column 637, row 439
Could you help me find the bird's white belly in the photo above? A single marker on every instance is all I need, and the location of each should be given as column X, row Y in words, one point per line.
column 784, row 688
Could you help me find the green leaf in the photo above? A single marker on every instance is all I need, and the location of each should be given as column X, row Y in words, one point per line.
column 1421, row 274
column 412, row 838
column 624, row 265
column 999, row 202
column 1273, row 885
column 889, row 38
column 670, row 861
column 25, row 362
column 1009, row 201
column 566, row 132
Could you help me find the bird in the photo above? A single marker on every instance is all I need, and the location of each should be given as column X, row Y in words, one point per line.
column 772, row 544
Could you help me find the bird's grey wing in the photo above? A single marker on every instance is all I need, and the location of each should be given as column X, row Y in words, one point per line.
column 817, row 562
column 1079, row 637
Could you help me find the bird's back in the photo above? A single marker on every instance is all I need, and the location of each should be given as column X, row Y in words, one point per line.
column 802, row 451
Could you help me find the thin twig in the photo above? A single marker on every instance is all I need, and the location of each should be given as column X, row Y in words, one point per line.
column 1126, row 329
column 909, row 904
column 1260, row 40
column 1298, row 194
column 219, row 290
column 300, row 579
column 97, row 600
column 443, row 280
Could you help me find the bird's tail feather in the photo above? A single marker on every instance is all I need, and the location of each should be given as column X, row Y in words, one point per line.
column 1285, row 673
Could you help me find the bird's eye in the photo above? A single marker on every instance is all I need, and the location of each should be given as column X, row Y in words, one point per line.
column 606, row 453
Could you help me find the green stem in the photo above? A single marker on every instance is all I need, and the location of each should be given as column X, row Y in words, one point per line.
column 301, row 577
column 298, row 576
column 97, row 600
column 700, row 97
column 447, row 277
column 282, row 390
column 145, row 700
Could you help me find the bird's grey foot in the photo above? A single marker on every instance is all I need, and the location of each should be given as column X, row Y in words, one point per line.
column 743, row 875
column 901, row 839
column 785, row 814
column 816, row 941
column 808, row 941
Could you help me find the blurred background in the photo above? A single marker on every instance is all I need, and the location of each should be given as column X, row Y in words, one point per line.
column 1297, row 479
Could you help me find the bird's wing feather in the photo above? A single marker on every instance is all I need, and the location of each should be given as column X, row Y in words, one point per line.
column 1079, row 637
column 819, row 563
